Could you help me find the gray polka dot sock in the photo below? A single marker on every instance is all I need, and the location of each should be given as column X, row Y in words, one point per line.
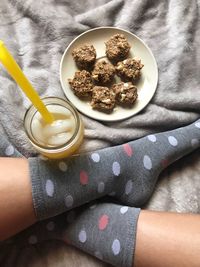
column 104, row 230
column 127, row 172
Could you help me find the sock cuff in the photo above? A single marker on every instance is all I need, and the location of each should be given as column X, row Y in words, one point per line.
column 133, row 216
column 37, row 189
column 106, row 231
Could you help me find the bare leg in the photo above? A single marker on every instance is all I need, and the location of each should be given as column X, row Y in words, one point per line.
column 16, row 207
column 167, row 240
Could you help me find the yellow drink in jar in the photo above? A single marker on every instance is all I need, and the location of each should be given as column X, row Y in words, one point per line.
column 62, row 137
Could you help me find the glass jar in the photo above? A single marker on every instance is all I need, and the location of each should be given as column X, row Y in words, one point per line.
column 50, row 150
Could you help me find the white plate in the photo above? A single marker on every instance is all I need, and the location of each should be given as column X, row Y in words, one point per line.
column 146, row 85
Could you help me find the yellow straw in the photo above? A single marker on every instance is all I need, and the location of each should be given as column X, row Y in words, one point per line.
column 14, row 70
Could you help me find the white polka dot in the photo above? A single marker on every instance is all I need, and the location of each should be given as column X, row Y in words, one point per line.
column 50, row 226
column 152, row 138
column 93, row 206
column 147, row 162
column 9, row 150
column 123, row 210
column 116, row 168
column 98, row 255
column 49, row 188
column 32, row 239
column 82, row 236
column 116, row 247
column 69, row 201
column 101, row 187
column 173, row 141
column 71, row 216
column 95, row 157
column 128, row 187
column 195, row 143
column 62, row 166
column 197, row 124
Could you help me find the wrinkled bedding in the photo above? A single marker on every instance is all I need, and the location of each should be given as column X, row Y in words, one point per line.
column 37, row 33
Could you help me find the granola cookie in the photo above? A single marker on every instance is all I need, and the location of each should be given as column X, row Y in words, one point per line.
column 129, row 69
column 126, row 93
column 103, row 98
column 103, row 72
column 84, row 56
column 117, row 47
column 82, row 83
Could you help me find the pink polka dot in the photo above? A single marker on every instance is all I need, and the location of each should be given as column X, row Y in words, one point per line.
column 65, row 238
column 165, row 163
column 128, row 150
column 83, row 178
column 103, row 222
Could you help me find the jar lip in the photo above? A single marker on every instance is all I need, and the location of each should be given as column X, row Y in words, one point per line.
column 64, row 103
